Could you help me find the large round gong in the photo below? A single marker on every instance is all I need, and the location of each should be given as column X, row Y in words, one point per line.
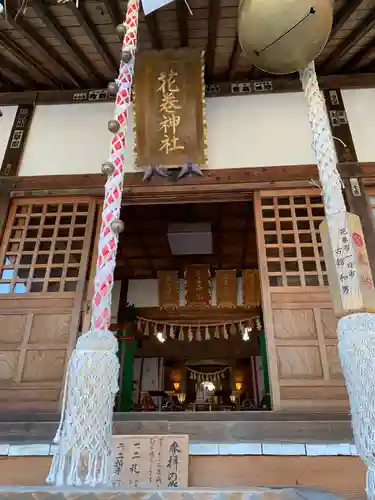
column 283, row 36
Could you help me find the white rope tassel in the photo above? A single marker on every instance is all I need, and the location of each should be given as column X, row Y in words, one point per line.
column 357, row 355
column 85, row 432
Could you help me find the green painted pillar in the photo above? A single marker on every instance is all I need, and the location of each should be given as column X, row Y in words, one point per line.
column 263, row 353
column 127, row 345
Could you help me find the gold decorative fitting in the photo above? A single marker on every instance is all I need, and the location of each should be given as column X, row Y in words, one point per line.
column 108, row 168
column 117, row 226
column 113, row 126
column 112, row 88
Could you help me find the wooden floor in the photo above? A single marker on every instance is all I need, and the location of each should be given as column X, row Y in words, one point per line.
column 209, row 427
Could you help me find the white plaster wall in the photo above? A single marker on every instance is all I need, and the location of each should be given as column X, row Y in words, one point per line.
column 359, row 105
column 6, row 124
column 247, row 131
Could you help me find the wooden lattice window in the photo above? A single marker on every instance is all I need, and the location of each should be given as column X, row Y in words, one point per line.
column 293, row 248
column 43, row 245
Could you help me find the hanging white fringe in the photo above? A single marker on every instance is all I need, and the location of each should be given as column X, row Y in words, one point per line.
column 190, row 334
column 181, row 334
column 357, row 355
column 225, row 332
column 84, row 436
column 207, row 335
column 198, row 334
column 217, row 333
column 172, row 332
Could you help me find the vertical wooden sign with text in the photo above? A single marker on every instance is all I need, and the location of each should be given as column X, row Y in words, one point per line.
column 169, row 109
column 17, row 140
column 338, row 119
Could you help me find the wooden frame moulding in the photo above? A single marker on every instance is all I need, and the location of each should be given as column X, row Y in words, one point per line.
column 216, row 185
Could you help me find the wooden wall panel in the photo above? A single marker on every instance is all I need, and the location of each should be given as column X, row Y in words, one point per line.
column 299, row 321
column 43, row 266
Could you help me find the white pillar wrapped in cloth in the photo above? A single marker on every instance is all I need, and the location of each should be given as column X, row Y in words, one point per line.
column 281, row 39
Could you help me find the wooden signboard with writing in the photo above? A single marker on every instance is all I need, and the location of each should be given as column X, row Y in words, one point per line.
column 169, row 108
column 17, row 140
column 226, row 288
column 351, row 285
column 197, row 286
column 169, row 289
column 150, row 461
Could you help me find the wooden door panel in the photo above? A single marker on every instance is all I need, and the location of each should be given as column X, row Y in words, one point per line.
column 298, row 316
column 43, row 267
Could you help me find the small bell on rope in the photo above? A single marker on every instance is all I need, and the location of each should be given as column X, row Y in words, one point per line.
column 121, row 29
column 207, row 335
column 190, row 334
column 117, row 226
column 113, row 126
column 112, row 88
column 108, row 168
column 172, row 332
column 126, row 57
column 198, row 334
column 217, row 332
column 85, row 456
column 181, row 334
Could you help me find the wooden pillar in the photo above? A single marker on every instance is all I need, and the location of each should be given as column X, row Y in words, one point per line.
column 17, row 140
column 354, row 191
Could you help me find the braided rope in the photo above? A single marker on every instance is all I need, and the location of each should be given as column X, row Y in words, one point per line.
column 325, row 154
column 108, row 239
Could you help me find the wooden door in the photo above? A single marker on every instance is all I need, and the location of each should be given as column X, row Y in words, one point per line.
column 299, row 322
column 43, row 266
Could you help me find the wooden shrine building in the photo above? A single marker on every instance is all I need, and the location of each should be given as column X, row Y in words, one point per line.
column 221, row 301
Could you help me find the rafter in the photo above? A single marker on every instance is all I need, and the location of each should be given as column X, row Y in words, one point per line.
column 363, row 27
column 93, row 33
column 48, row 52
column 182, row 20
column 213, row 23
column 344, row 14
column 234, row 60
column 65, row 41
column 19, row 54
column 154, row 31
column 114, row 11
column 16, row 70
column 357, row 58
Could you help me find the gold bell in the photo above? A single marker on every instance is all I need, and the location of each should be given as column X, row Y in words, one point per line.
column 108, row 168
column 117, row 226
column 126, row 57
column 112, row 88
column 113, row 126
column 121, row 29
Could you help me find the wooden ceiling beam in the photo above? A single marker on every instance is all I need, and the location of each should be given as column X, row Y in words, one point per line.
column 48, row 52
column 16, row 70
column 154, row 30
column 357, row 58
column 93, row 33
column 363, row 27
column 182, row 20
column 344, row 14
column 114, row 11
column 66, row 42
column 24, row 58
column 213, row 24
column 234, row 60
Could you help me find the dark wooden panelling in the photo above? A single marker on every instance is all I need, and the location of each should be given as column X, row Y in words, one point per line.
column 17, row 140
